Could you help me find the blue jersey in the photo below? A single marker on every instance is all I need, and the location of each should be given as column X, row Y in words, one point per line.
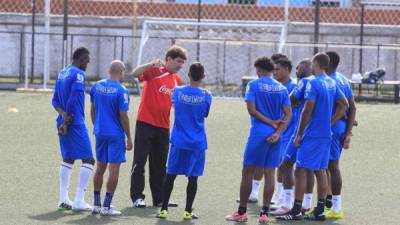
column 109, row 98
column 298, row 94
column 270, row 97
column 70, row 86
column 191, row 107
column 290, row 85
column 324, row 92
column 344, row 85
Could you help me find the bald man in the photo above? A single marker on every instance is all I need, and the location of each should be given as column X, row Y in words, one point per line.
column 109, row 112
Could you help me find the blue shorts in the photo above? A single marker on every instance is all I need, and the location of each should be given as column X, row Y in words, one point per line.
column 260, row 153
column 313, row 153
column 336, row 146
column 186, row 162
column 110, row 149
column 291, row 151
column 76, row 143
column 284, row 144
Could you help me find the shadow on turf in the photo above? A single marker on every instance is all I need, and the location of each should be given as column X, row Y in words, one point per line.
column 53, row 215
column 151, row 212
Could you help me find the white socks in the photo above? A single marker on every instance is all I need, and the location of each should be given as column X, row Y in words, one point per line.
column 65, row 176
column 255, row 189
column 278, row 193
column 84, row 177
column 288, row 196
column 307, row 201
column 336, row 203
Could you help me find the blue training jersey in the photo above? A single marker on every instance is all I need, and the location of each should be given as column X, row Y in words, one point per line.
column 109, row 98
column 324, row 92
column 191, row 107
column 270, row 97
column 298, row 93
column 70, row 79
column 290, row 85
column 344, row 85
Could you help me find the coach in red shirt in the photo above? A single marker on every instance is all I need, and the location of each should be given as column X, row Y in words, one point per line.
column 152, row 124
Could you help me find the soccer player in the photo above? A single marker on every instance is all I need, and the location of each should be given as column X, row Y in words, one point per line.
column 258, row 174
column 342, row 132
column 304, row 75
column 109, row 113
column 69, row 101
column 313, row 136
column 278, row 56
column 188, row 140
column 267, row 100
column 152, row 124
column 283, row 68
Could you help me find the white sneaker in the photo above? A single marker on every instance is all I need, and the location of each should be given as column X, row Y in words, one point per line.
column 139, row 203
column 278, row 204
column 109, row 212
column 96, row 209
column 81, row 206
column 253, row 199
column 280, row 211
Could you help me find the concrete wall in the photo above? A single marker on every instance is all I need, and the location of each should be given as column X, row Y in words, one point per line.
column 224, row 63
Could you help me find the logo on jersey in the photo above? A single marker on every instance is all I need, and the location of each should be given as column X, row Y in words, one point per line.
column 126, row 98
column 165, row 90
column 308, row 87
column 247, row 89
column 106, row 90
column 191, row 99
column 300, row 85
column 270, row 87
column 80, row 78
column 329, row 84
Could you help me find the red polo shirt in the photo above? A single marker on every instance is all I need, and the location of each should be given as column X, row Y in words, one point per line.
column 155, row 105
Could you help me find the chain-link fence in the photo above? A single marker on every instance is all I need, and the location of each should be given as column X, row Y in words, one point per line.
column 365, row 34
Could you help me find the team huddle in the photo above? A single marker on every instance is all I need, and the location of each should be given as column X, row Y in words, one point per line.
column 304, row 125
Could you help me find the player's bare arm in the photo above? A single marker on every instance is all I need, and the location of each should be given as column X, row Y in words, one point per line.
column 287, row 111
column 294, row 101
column 125, row 124
column 251, row 108
column 351, row 121
column 67, row 119
column 139, row 71
column 341, row 106
column 92, row 113
column 304, row 119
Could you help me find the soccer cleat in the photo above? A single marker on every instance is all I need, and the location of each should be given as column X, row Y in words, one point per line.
column 334, row 215
column 263, row 218
column 109, row 212
column 170, row 204
column 81, row 206
column 280, row 211
column 251, row 200
column 62, row 206
column 163, row 214
column 139, row 203
column 306, row 211
column 314, row 217
column 96, row 209
column 327, row 209
column 189, row 216
column 237, row 217
column 289, row 217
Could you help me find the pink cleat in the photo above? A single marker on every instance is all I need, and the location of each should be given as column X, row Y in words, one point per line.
column 237, row 217
column 263, row 218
